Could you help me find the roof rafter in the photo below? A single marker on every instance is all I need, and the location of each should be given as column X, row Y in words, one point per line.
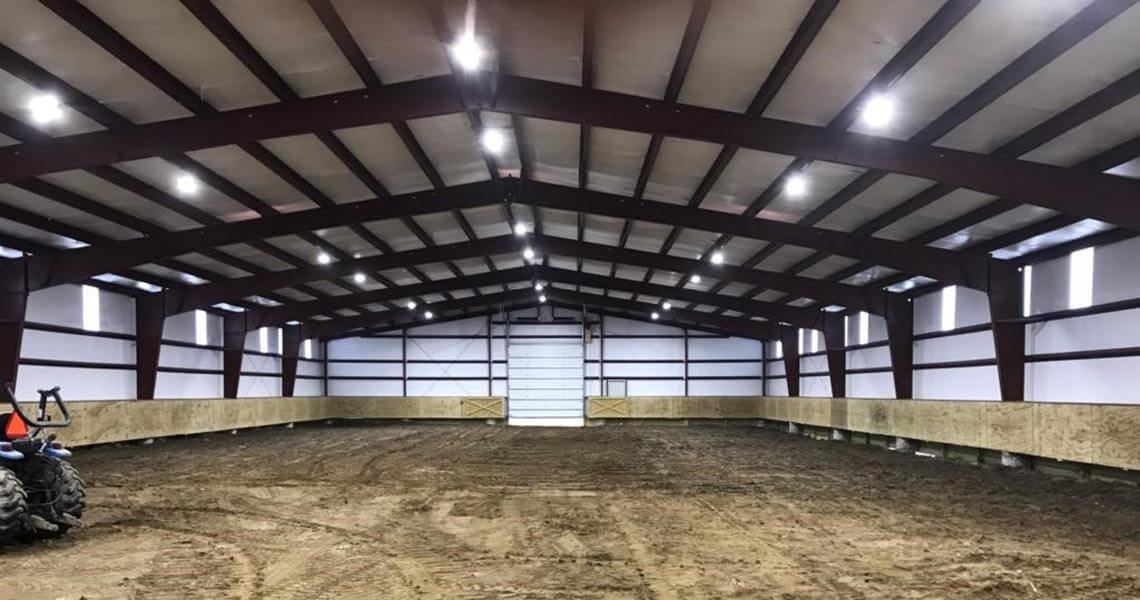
column 960, row 268
column 1103, row 197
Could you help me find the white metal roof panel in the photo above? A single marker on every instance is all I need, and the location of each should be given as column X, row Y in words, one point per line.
column 164, row 29
column 740, row 44
column 680, row 166
column 636, row 43
column 290, row 37
column 858, row 39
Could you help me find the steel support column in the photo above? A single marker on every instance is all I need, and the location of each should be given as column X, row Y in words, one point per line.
column 149, row 319
column 685, row 359
column 290, row 351
column 789, row 338
column 233, row 350
column 13, row 305
column 900, row 340
column 836, row 353
column 1005, row 298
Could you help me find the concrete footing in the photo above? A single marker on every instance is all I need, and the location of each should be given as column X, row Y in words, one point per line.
column 1015, row 461
column 904, row 445
column 840, row 435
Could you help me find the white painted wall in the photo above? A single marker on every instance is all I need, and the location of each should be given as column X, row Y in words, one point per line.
column 184, row 371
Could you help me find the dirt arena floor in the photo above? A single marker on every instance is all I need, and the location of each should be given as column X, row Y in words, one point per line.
column 478, row 511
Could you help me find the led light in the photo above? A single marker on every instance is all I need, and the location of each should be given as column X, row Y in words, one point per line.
column 538, row 287
column 428, row 314
column 358, row 278
column 493, row 140
column 796, row 186
column 45, row 109
column 467, row 52
column 667, row 306
column 411, row 305
column 324, row 258
column 655, row 316
column 542, row 297
column 187, row 185
column 695, row 279
column 520, row 228
column 356, row 255
column 528, row 253
column 293, row 322
column 717, row 258
column 878, row 111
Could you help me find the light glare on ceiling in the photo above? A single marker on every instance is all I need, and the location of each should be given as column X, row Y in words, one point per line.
column 467, row 52
column 45, row 108
column 493, row 141
column 796, row 186
column 187, row 185
column 878, row 111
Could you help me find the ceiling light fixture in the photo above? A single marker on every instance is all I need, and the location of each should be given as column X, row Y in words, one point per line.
column 493, row 140
column 411, row 305
column 324, row 258
column 45, row 109
column 654, row 316
column 717, row 257
column 878, row 111
column 528, row 253
column 542, row 297
column 538, row 287
column 796, row 186
column 187, row 185
column 467, row 52
column 358, row 278
column 695, row 279
column 520, row 228
column 667, row 306
column 428, row 314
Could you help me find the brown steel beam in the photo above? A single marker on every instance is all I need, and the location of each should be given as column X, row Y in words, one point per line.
column 149, row 320
column 82, row 263
column 959, row 268
column 919, row 44
column 233, row 350
column 790, row 343
column 1102, row 197
column 290, row 354
column 856, row 297
column 752, row 308
column 900, row 343
column 1005, row 302
column 833, row 339
column 13, row 306
column 202, row 296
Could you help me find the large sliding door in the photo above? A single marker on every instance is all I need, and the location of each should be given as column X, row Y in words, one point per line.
column 545, row 381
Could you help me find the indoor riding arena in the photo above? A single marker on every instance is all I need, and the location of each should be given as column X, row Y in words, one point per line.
column 570, row 299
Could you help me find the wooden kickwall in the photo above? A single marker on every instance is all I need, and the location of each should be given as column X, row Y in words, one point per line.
column 1104, row 434
column 100, row 422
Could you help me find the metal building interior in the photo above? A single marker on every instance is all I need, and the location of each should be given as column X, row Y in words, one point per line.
column 826, row 298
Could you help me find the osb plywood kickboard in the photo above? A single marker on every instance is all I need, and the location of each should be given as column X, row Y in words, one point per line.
column 1091, row 433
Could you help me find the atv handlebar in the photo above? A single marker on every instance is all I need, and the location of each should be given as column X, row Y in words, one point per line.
column 41, row 421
